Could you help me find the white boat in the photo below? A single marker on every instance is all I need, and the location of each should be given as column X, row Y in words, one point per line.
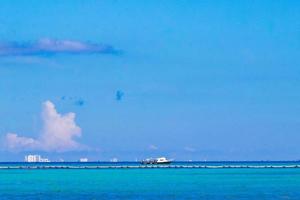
column 160, row 160
column 163, row 160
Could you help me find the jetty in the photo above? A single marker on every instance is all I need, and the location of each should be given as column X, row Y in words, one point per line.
column 149, row 167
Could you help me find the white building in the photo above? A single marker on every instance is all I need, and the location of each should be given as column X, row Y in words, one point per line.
column 35, row 158
column 114, row 160
column 83, row 160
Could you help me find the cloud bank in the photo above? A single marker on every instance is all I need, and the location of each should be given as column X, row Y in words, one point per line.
column 44, row 47
column 58, row 134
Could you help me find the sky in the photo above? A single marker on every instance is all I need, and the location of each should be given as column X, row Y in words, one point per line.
column 190, row 80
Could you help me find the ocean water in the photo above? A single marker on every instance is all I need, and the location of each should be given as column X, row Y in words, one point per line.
column 228, row 183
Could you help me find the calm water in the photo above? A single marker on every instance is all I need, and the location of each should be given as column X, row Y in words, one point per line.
column 150, row 184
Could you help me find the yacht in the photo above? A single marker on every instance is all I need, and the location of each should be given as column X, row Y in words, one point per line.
column 160, row 160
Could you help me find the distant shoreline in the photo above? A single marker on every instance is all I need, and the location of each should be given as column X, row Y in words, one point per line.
column 155, row 167
column 138, row 165
column 106, row 162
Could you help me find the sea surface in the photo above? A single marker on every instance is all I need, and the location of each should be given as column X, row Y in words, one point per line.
column 174, row 183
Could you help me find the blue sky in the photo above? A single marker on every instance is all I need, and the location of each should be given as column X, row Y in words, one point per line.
column 194, row 80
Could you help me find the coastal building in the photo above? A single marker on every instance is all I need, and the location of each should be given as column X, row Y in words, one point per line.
column 114, row 160
column 35, row 158
column 83, row 160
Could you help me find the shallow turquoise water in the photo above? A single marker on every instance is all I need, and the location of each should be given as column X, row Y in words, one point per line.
column 150, row 184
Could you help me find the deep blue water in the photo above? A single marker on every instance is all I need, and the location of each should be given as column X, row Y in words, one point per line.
column 226, row 183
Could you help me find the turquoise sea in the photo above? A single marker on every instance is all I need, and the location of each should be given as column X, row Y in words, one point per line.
column 226, row 183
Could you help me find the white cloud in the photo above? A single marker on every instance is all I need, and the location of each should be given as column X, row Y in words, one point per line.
column 48, row 46
column 13, row 141
column 189, row 149
column 153, row 147
column 58, row 133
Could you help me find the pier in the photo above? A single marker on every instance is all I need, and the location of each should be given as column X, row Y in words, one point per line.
column 152, row 167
